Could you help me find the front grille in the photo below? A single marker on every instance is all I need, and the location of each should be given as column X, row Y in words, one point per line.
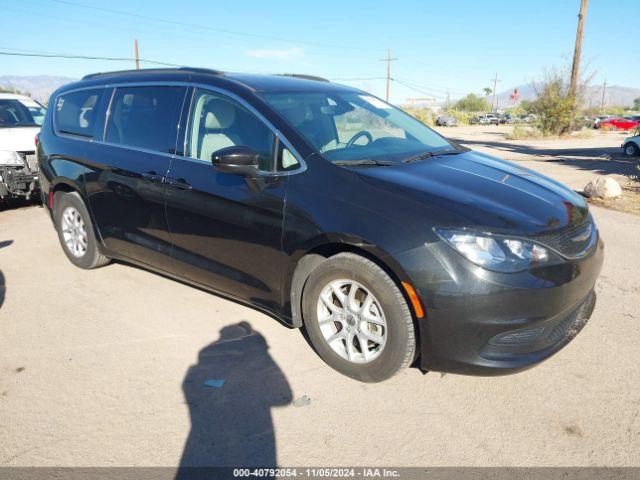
column 572, row 242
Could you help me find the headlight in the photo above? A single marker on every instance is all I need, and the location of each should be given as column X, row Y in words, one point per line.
column 497, row 253
column 8, row 158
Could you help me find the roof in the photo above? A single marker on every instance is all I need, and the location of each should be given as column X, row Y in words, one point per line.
column 287, row 82
column 253, row 82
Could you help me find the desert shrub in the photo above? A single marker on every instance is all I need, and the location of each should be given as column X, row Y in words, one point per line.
column 520, row 132
column 584, row 132
column 425, row 115
column 610, row 110
column 472, row 103
column 553, row 105
column 462, row 117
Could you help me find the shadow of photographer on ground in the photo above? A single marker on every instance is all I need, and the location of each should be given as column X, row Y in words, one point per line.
column 231, row 423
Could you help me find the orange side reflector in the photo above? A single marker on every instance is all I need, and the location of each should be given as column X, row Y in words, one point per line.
column 415, row 300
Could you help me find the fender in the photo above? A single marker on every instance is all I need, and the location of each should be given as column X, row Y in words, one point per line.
column 308, row 257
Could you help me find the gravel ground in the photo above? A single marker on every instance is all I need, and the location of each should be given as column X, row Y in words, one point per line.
column 107, row 368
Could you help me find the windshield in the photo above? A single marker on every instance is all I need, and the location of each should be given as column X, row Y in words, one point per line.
column 37, row 112
column 354, row 126
column 15, row 114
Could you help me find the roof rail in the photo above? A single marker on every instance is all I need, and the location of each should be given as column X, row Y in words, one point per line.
column 305, row 77
column 154, row 70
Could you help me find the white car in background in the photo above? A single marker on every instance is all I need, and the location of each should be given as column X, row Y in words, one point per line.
column 20, row 120
column 631, row 145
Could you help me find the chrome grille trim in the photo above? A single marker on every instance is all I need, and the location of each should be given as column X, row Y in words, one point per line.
column 571, row 242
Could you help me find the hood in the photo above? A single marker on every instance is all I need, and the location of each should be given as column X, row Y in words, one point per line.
column 19, row 139
column 477, row 190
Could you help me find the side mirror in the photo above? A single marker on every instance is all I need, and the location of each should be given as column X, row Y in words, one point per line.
column 237, row 160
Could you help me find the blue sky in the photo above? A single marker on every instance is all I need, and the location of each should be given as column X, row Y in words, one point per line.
column 456, row 45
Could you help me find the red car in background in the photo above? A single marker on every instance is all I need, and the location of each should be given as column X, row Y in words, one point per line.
column 620, row 123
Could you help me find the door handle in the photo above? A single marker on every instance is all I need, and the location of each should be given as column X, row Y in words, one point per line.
column 180, row 183
column 153, row 177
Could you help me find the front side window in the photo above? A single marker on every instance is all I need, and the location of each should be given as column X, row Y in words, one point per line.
column 76, row 112
column 145, row 117
column 219, row 122
column 353, row 126
column 15, row 114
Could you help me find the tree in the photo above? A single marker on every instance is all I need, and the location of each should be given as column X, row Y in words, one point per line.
column 636, row 103
column 554, row 105
column 487, row 91
column 472, row 103
column 525, row 105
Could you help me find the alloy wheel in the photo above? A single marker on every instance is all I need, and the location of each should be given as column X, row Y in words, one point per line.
column 74, row 232
column 352, row 321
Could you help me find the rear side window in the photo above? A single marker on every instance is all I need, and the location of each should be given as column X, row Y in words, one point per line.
column 145, row 117
column 76, row 112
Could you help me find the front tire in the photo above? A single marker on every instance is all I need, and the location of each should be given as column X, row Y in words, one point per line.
column 357, row 318
column 631, row 150
column 75, row 231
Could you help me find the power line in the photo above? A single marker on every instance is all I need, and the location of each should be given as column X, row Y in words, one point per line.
column 86, row 57
column 417, row 89
column 426, row 87
column 193, row 36
column 410, row 84
column 207, row 27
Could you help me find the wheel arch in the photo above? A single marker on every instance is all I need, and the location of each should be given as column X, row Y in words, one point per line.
column 308, row 259
column 65, row 185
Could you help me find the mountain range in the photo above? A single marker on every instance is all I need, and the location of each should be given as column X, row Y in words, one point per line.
column 39, row 87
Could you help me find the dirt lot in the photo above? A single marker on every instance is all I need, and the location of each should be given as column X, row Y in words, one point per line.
column 107, row 368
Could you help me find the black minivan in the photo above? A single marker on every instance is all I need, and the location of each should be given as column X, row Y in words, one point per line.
column 326, row 208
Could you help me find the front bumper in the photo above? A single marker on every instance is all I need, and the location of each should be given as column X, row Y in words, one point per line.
column 485, row 323
column 18, row 182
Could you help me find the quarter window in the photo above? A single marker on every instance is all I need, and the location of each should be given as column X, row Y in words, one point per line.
column 218, row 122
column 76, row 112
column 145, row 117
column 288, row 160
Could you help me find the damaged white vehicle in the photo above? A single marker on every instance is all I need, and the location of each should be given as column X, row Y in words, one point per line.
column 20, row 120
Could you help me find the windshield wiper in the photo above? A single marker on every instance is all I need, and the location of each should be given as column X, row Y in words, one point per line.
column 424, row 155
column 366, row 161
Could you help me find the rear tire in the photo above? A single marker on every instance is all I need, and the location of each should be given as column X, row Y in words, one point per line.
column 382, row 325
column 630, row 149
column 75, row 231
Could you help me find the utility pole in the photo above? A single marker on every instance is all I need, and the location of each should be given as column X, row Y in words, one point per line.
column 493, row 99
column 388, row 60
column 604, row 89
column 448, row 100
column 135, row 51
column 575, row 68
